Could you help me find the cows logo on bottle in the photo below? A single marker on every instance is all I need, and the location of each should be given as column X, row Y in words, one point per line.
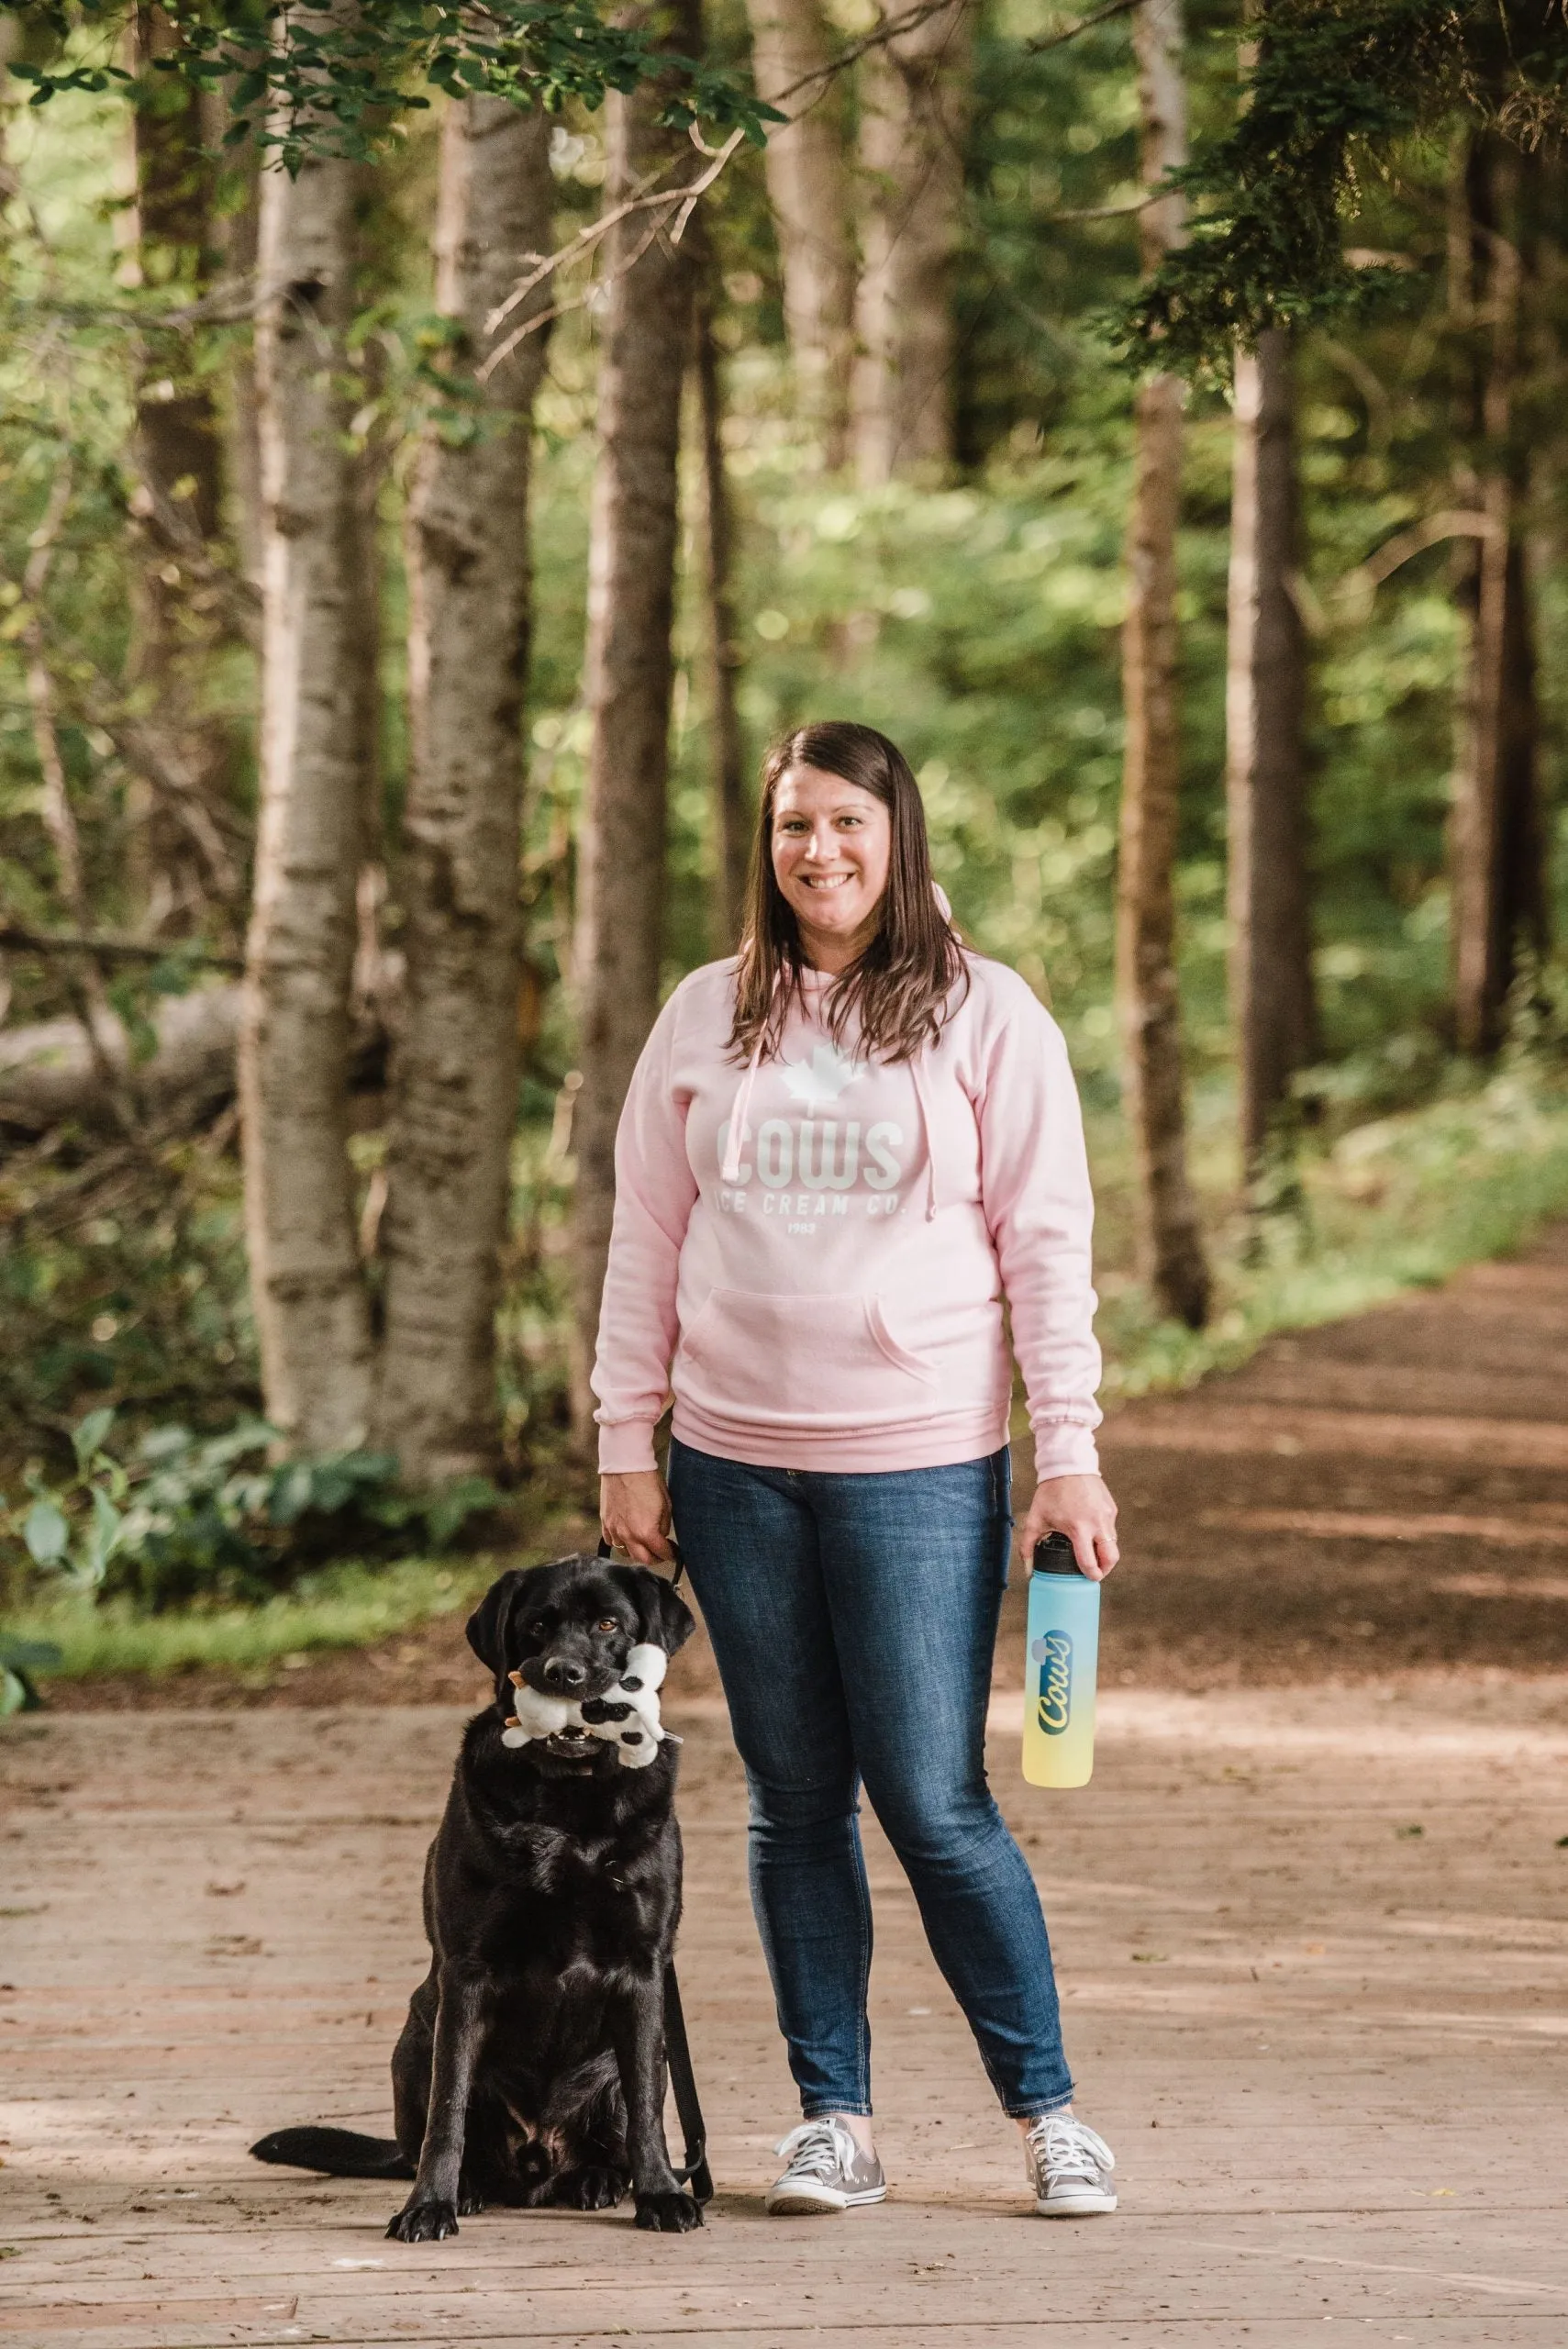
column 1054, row 1655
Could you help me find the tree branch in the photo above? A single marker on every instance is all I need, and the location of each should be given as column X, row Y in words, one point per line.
column 680, row 201
column 112, row 946
column 1085, row 24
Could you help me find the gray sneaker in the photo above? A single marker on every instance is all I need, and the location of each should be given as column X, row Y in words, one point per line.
column 825, row 2170
column 1069, row 2168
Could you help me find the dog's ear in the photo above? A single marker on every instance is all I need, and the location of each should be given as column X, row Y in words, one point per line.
column 491, row 1620
column 667, row 1621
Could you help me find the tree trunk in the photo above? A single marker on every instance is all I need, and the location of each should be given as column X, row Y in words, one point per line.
column 177, row 453
column 1169, row 1236
column 373, row 457
column 312, row 1313
column 731, row 814
column 239, row 231
column 1497, row 840
column 178, row 449
column 455, row 1071
column 809, row 189
column 1265, row 710
column 620, row 874
column 913, row 103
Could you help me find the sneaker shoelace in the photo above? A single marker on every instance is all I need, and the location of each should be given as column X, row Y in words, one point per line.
column 819, row 2149
column 1063, row 2148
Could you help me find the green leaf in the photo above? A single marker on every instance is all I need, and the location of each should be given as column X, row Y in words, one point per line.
column 293, row 1490
column 458, row 1501
column 104, row 1539
column 30, row 1655
column 15, row 1695
column 88, row 1439
column 46, row 1533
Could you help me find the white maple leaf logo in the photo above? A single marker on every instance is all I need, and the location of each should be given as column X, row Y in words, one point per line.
column 820, row 1080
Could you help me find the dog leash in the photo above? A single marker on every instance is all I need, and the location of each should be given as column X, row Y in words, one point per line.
column 683, row 2079
column 677, row 2046
column 677, row 1579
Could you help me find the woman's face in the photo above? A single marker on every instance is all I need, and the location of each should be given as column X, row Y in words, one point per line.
column 831, row 844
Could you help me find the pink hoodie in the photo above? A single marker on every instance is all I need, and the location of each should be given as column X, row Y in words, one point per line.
column 813, row 1252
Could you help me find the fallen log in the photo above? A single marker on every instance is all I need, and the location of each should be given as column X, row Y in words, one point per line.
column 49, row 1074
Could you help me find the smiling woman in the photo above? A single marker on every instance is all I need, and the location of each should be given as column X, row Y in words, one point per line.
column 840, row 1153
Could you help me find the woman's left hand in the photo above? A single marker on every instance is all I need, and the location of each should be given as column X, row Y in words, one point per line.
column 1082, row 1508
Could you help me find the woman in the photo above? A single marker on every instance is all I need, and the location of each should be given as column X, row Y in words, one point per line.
column 842, row 1154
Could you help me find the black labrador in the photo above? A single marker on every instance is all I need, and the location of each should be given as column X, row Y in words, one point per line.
column 531, row 2067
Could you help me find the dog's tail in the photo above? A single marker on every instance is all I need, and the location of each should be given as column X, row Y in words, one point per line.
column 340, row 2153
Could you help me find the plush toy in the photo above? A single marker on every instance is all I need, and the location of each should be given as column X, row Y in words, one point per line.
column 626, row 1716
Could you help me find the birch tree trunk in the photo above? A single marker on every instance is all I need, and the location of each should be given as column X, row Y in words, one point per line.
column 808, row 172
column 646, row 336
column 455, row 1069
column 1169, row 1236
column 1265, row 708
column 914, row 108
column 312, row 1313
column 1498, row 844
column 731, row 814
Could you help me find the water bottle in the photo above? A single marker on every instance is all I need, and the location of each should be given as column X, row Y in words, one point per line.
column 1059, row 1676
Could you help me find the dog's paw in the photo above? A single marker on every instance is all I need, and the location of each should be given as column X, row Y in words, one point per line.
column 469, row 2203
column 590, row 2190
column 668, row 2214
column 424, row 2222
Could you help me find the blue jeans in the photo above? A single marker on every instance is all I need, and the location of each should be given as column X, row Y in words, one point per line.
column 854, row 1618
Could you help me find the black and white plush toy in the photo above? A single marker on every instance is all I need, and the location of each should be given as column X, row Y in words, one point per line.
column 626, row 1716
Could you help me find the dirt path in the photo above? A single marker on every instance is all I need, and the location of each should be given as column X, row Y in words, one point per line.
column 1314, row 1951
column 1311, row 1919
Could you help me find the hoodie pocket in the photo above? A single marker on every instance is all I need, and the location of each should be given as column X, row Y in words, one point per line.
column 801, row 1361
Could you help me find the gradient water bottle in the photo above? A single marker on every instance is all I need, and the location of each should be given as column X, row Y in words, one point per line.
column 1059, row 1678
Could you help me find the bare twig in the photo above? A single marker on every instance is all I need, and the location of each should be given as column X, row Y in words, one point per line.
column 1358, row 586
column 87, row 990
column 59, row 821
column 1085, row 24
column 148, row 752
column 679, row 200
column 110, row 946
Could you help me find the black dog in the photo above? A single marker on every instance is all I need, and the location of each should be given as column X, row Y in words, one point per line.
column 531, row 2067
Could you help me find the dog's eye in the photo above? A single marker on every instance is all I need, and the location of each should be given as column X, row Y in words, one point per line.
column 606, row 1623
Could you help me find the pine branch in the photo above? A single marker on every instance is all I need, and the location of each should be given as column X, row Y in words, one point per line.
column 1335, row 88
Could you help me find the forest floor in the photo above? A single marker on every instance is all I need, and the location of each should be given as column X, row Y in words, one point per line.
column 1311, row 1922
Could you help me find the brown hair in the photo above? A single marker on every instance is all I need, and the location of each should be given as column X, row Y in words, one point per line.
column 897, row 991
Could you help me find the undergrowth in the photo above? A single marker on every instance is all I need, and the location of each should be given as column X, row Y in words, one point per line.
column 1402, row 1202
column 345, row 1606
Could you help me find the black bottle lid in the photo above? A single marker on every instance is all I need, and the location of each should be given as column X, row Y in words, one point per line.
column 1055, row 1555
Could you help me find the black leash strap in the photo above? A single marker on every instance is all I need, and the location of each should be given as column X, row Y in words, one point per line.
column 678, row 2053
column 606, row 1551
column 677, row 2046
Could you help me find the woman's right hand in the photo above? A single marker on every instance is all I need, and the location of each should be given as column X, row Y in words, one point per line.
column 634, row 1511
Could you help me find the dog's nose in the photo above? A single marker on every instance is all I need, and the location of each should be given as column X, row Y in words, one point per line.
column 562, row 1673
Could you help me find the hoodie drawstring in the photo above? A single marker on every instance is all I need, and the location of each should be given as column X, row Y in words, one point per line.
column 739, row 1129
column 739, row 1125
column 933, row 1200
